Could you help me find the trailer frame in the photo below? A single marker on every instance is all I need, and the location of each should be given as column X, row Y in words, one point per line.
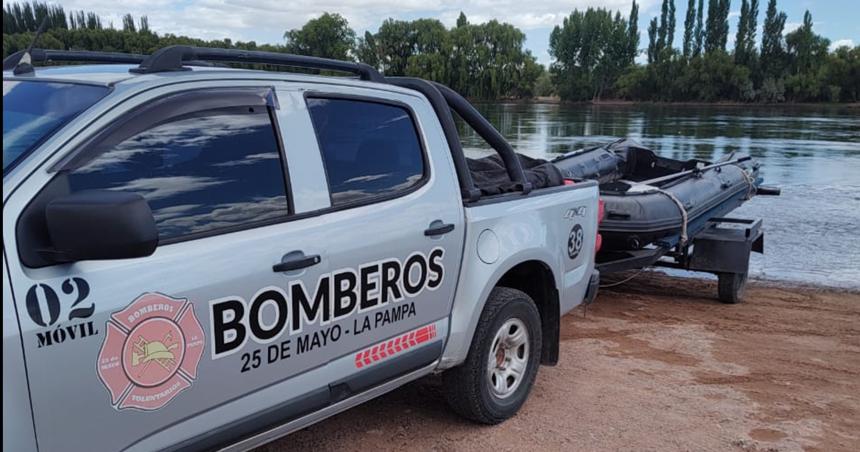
column 722, row 247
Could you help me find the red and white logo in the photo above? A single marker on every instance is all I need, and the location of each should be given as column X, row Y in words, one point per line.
column 151, row 352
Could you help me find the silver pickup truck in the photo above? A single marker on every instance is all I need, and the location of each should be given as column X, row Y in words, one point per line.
column 197, row 257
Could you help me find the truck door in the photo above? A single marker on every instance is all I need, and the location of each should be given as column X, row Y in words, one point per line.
column 395, row 232
column 183, row 344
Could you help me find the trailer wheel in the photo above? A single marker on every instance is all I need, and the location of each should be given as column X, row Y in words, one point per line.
column 731, row 287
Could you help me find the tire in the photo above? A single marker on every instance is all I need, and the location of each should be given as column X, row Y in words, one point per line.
column 731, row 287
column 490, row 392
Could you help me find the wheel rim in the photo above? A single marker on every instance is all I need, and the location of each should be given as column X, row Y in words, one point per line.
column 508, row 358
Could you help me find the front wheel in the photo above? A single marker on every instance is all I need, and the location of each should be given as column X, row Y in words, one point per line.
column 498, row 374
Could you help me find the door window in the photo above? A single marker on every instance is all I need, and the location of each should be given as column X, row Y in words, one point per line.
column 369, row 149
column 200, row 172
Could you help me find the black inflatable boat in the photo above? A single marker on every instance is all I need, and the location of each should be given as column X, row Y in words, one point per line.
column 656, row 200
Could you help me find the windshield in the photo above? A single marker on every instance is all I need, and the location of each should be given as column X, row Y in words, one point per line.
column 33, row 111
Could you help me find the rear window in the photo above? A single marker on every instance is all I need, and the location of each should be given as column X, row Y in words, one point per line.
column 33, row 111
column 369, row 149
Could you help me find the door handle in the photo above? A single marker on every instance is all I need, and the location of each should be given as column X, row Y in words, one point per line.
column 438, row 228
column 296, row 263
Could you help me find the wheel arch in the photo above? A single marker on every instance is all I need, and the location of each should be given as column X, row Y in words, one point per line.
column 517, row 272
column 535, row 278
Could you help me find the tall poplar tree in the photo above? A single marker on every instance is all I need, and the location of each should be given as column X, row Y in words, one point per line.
column 772, row 42
column 652, row 41
column 633, row 34
column 700, row 30
column 741, row 35
column 689, row 29
column 717, row 25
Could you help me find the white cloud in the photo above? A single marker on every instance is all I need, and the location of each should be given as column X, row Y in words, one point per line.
column 790, row 26
column 155, row 188
column 266, row 20
column 840, row 43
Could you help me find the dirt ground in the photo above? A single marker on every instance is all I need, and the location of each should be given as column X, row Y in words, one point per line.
column 655, row 364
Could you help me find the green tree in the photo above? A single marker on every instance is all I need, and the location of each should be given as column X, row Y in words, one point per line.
column 665, row 32
column 806, row 49
column 723, row 23
column 689, row 29
column 670, row 28
column 461, row 20
column 700, row 31
column 128, row 23
column 807, row 54
column 367, row 50
column 394, row 41
column 633, row 34
column 478, row 60
column 652, row 41
column 715, row 77
column 24, row 17
column 746, row 34
column 717, row 25
column 429, row 50
column 772, row 43
column 661, row 30
column 544, row 86
column 328, row 36
column 592, row 50
column 843, row 72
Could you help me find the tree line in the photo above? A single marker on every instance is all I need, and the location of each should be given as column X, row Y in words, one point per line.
column 485, row 60
column 795, row 66
column 594, row 52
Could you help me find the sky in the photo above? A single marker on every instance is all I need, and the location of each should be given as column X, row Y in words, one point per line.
column 265, row 21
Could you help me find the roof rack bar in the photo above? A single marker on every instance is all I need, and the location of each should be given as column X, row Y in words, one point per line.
column 42, row 55
column 172, row 59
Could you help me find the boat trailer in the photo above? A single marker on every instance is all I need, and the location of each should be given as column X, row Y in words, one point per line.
column 721, row 247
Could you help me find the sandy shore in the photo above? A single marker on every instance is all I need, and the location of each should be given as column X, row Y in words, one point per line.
column 655, row 364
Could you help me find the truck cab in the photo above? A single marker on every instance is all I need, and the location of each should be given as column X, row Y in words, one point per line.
column 200, row 258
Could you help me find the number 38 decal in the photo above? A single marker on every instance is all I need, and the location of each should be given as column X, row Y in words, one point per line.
column 43, row 302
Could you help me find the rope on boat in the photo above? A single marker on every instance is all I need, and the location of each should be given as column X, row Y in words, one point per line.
column 748, row 177
column 647, row 188
column 684, row 217
column 683, row 210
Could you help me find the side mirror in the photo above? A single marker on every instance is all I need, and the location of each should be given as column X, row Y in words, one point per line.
column 101, row 224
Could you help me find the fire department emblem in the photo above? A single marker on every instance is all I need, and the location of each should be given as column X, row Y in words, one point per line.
column 151, row 352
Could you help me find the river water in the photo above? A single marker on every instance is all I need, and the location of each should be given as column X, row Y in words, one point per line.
column 811, row 152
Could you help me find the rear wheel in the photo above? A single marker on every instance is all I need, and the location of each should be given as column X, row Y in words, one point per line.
column 498, row 374
column 731, row 287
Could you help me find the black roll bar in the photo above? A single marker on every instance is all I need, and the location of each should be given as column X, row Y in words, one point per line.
column 468, row 190
column 489, row 133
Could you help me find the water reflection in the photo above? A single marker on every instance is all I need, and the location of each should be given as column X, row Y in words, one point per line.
column 198, row 173
column 812, row 152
